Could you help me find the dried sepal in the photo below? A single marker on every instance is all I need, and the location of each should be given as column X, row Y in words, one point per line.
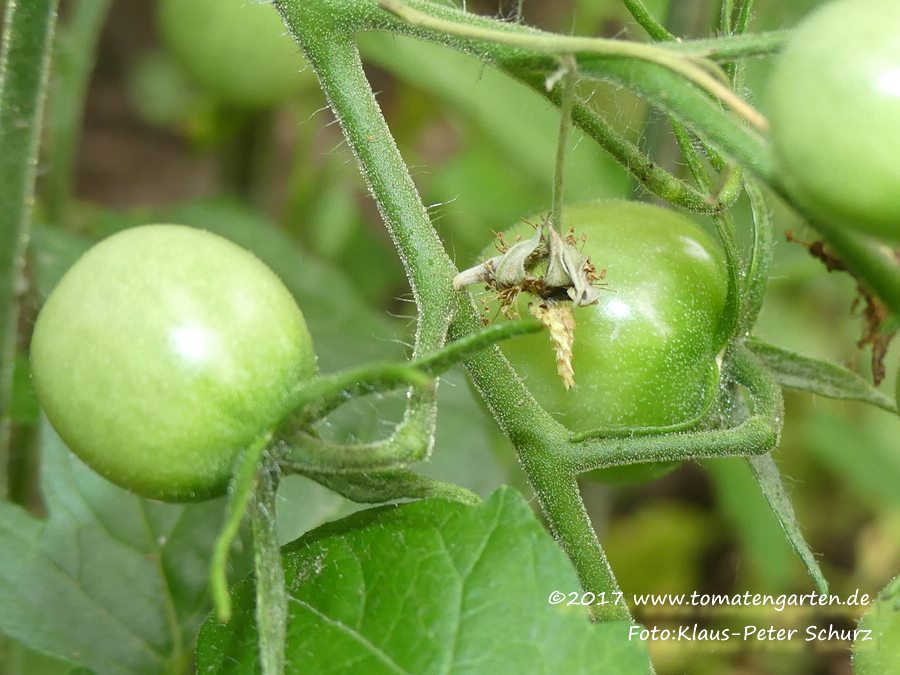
column 513, row 266
column 568, row 268
column 565, row 268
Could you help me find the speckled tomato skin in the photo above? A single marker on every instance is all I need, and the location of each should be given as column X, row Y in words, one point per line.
column 162, row 353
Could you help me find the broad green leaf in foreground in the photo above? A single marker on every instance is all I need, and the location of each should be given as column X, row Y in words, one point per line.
column 109, row 581
column 428, row 587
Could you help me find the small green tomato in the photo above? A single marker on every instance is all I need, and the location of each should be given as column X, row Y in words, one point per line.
column 834, row 103
column 163, row 353
column 237, row 50
column 645, row 355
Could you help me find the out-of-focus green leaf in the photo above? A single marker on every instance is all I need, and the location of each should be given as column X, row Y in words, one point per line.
column 53, row 251
column 17, row 659
column 429, row 587
column 662, row 530
column 109, row 580
column 862, row 453
column 818, row 377
column 877, row 648
column 757, row 531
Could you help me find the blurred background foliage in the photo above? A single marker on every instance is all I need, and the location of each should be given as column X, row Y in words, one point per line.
column 160, row 141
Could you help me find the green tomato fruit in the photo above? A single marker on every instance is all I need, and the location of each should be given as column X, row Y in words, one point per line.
column 834, row 102
column 645, row 356
column 237, row 50
column 876, row 651
column 163, row 353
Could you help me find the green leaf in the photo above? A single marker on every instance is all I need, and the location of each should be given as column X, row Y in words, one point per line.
column 795, row 371
column 861, row 452
column 429, row 587
column 750, row 517
column 109, row 581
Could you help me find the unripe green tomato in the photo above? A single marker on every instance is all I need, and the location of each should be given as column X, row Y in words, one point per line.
column 163, row 353
column 877, row 651
column 645, row 356
column 238, row 50
column 834, row 101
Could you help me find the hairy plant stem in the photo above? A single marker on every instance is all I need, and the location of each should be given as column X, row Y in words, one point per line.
column 558, row 45
column 324, row 30
column 660, row 86
column 570, row 78
column 24, row 66
column 321, row 29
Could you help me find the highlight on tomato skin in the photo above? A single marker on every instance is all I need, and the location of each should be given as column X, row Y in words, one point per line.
column 834, row 107
column 163, row 353
column 645, row 354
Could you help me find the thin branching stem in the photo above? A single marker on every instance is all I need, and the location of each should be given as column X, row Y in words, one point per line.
column 570, row 76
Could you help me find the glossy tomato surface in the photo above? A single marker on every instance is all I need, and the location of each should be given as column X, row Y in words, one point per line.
column 162, row 353
column 238, row 50
column 834, row 103
column 645, row 355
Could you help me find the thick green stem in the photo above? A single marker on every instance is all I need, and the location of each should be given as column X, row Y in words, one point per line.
column 326, row 40
column 539, row 440
column 24, row 66
column 562, row 506
column 323, row 28
column 733, row 47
